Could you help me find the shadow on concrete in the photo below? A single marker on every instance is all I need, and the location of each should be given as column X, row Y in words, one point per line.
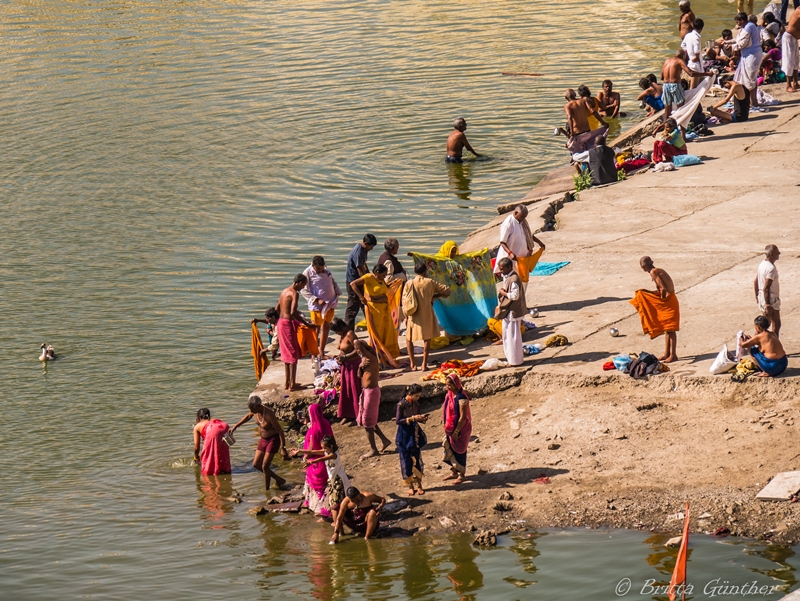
column 501, row 479
column 790, row 372
column 699, row 358
column 744, row 134
column 589, row 357
column 578, row 305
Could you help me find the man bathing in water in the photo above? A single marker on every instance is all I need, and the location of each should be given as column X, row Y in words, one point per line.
column 581, row 136
column 686, row 22
column 457, row 141
column 672, row 90
column 359, row 511
column 270, row 442
column 610, row 101
column 665, row 288
column 289, row 321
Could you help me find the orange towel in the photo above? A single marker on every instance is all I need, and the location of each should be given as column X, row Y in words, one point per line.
column 307, row 339
column 261, row 361
column 657, row 315
column 526, row 265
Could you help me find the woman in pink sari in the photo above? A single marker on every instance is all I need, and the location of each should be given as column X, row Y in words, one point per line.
column 457, row 421
column 215, row 458
column 317, row 473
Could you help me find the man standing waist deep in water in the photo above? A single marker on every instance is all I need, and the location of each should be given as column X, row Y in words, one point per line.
column 457, row 141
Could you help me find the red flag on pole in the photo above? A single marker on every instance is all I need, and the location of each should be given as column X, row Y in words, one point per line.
column 679, row 573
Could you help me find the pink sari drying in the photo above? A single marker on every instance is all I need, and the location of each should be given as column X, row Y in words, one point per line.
column 317, row 474
column 215, row 458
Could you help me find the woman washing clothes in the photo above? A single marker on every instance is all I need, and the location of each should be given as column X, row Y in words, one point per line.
column 316, row 472
column 410, row 438
column 381, row 303
column 669, row 143
column 350, row 390
column 338, row 482
column 215, row 458
column 457, row 421
column 766, row 349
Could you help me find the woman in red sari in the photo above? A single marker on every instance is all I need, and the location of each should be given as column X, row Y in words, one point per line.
column 215, row 458
column 457, row 421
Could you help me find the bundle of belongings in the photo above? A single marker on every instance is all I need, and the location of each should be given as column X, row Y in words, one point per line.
column 328, row 381
column 636, row 366
column 454, row 366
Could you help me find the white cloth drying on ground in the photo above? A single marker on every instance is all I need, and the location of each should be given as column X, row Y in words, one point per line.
column 693, row 98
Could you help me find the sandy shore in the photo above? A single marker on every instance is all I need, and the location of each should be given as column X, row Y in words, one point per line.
column 630, row 454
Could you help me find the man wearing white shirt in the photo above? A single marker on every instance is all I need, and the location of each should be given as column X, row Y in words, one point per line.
column 693, row 45
column 748, row 43
column 322, row 293
column 768, row 290
column 516, row 239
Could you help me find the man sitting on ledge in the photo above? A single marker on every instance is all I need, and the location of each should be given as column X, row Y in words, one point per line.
column 766, row 349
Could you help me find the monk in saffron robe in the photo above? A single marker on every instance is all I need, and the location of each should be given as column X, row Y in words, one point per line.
column 659, row 311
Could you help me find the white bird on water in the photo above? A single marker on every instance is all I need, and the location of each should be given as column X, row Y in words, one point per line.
column 48, row 352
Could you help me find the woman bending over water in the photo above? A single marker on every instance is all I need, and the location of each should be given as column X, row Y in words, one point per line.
column 215, row 457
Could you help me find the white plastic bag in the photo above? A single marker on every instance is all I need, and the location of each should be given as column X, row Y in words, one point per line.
column 491, row 364
column 739, row 350
column 723, row 362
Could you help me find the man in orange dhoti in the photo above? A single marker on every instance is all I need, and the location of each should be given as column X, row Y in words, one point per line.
column 659, row 311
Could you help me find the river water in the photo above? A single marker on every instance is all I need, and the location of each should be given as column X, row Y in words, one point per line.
column 166, row 168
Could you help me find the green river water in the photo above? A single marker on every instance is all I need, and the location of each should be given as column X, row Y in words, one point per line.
column 166, row 168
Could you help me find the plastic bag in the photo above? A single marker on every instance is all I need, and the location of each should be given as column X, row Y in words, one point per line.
column 621, row 362
column 684, row 160
column 491, row 364
column 723, row 362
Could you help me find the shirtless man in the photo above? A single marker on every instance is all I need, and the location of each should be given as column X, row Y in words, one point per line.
column 359, row 511
column 686, row 22
column 582, row 137
column 672, row 90
column 610, row 101
column 665, row 288
column 370, row 401
column 457, row 141
column 270, row 442
column 766, row 349
column 287, row 326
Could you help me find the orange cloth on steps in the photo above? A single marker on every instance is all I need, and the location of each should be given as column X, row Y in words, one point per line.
column 526, row 265
column 657, row 315
column 261, row 361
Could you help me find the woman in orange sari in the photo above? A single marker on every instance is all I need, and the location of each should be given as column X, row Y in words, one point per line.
column 381, row 303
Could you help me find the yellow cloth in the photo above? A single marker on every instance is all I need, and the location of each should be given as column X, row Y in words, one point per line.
column 261, row 362
column 448, row 250
column 439, row 342
column 526, row 265
column 496, row 327
column 381, row 316
column 593, row 123
column 657, row 315
column 318, row 319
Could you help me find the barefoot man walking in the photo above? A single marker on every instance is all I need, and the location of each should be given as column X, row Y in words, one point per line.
column 659, row 311
column 270, row 442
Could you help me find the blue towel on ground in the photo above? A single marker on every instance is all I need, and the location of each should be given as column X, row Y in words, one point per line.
column 548, row 268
